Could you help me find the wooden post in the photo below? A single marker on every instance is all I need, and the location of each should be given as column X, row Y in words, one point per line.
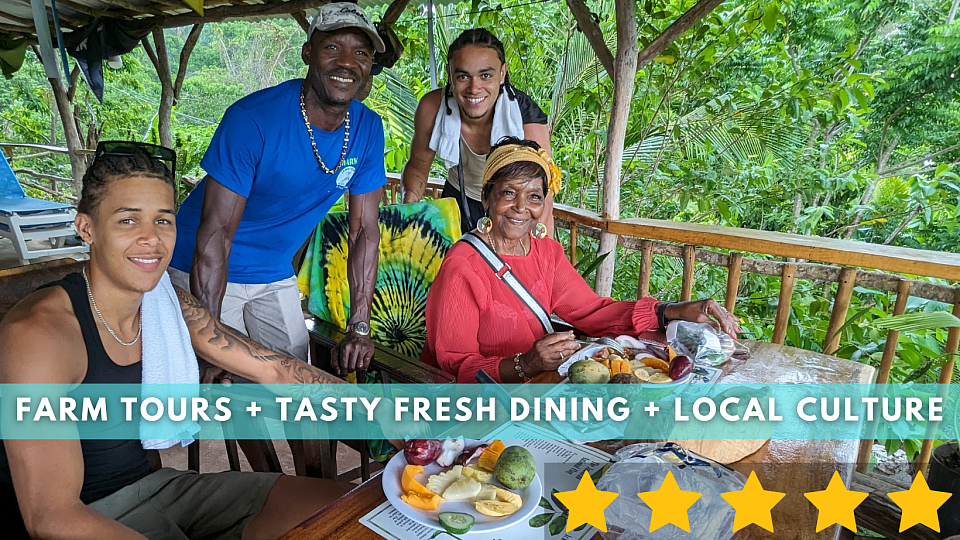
column 946, row 375
column 883, row 375
column 625, row 68
column 733, row 281
column 169, row 86
column 783, row 306
column 78, row 163
column 689, row 265
column 646, row 262
column 893, row 336
column 625, row 65
column 848, row 278
column 573, row 242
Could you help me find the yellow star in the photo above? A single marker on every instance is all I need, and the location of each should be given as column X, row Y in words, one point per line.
column 586, row 504
column 753, row 504
column 919, row 504
column 669, row 504
column 836, row 504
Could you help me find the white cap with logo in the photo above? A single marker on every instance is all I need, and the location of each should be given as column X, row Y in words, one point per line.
column 345, row 15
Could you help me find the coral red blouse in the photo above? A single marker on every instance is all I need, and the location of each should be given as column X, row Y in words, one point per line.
column 474, row 320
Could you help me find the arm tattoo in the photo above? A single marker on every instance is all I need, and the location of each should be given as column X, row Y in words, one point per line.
column 226, row 340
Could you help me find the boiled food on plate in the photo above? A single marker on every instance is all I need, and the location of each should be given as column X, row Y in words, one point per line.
column 608, row 366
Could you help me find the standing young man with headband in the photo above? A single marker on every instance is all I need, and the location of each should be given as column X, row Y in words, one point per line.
column 462, row 121
column 280, row 158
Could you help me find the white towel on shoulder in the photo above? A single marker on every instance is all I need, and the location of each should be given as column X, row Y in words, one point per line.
column 168, row 358
column 445, row 139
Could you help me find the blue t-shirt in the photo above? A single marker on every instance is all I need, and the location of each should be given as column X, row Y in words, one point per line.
column 262, row 151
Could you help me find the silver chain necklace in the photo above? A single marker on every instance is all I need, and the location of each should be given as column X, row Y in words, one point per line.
column 313, row 143
column 100, row 315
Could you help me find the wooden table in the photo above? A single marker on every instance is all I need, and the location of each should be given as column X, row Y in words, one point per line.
column 793, row 467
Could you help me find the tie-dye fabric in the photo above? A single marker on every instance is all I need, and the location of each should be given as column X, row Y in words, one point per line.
column 414, row 238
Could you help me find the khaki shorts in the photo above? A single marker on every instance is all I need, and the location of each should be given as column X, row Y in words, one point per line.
column 270, row 314
column 185, row 505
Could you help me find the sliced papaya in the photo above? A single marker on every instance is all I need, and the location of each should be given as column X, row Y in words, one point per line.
column 488, row 459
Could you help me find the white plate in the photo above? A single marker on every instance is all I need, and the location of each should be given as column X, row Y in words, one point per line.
column 588, row 350
column 391, row 488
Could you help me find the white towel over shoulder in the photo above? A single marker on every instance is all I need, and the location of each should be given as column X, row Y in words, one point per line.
column 168, row 358
column 445, row 139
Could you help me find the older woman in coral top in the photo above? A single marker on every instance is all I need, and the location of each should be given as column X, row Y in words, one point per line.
column 476, row 321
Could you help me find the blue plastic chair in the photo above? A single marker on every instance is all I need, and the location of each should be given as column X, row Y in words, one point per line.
column 24, row 218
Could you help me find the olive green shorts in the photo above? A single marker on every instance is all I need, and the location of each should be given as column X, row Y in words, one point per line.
column 184, row 505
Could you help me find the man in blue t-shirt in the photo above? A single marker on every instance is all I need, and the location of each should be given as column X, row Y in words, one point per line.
column 280, row 158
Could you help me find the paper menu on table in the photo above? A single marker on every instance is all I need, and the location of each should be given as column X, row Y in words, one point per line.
column 389, row 523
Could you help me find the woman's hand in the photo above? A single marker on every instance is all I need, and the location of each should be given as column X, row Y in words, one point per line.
column 548, row 353
column 704, row 311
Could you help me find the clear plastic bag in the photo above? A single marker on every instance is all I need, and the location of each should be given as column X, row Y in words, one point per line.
column 642, row 467
column 701, row 342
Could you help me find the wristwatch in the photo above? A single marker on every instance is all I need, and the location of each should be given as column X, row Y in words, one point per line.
column 360, row 328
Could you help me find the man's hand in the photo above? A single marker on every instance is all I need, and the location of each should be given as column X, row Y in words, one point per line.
column 704, row 311
column 354, row 352
column 411, row 196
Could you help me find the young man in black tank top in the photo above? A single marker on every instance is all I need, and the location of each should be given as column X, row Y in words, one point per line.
column 126, row 214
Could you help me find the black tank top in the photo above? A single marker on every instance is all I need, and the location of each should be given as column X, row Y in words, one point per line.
column 108, row 465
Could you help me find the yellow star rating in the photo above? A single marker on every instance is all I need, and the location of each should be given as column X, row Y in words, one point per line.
column 919, row 504
column 669, row 504
column 836, row 504
column 752, row 504
column 586, row 504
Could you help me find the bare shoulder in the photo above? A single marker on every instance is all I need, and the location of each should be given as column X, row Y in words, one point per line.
column 430, row 102
column 41, row 342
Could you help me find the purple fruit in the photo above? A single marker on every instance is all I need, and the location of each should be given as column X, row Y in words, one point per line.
column 680, row 367
column 422, row 451
column 468, row 455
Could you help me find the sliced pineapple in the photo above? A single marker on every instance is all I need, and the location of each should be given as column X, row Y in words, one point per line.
column 462, row 489
column 438, row 483
column 496, row 508
column 487, row 493
column 508, row 496
column 477, row 474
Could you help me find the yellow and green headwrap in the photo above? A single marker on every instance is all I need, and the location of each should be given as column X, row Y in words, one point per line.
column 513, row 153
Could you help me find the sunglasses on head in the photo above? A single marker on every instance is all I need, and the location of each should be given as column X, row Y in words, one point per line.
column 129, row 148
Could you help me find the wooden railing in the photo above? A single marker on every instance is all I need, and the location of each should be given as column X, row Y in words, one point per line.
column 848, row 263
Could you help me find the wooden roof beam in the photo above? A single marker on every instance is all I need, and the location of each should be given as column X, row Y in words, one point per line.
column 236, row 12
column 133, row 8
column 16, row 29
column 393, row 12
column 591, row 29
column 301, row 18
column 675, row 30
column 16, row 19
